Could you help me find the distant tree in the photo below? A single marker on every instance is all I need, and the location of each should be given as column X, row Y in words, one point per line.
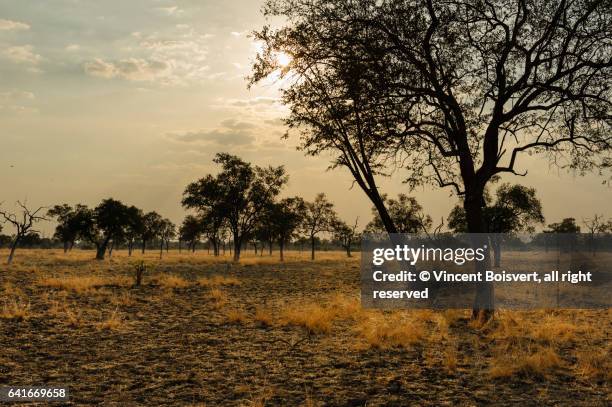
column 106, row 223
column 166, row 232
column 564, row 234
column 516, row 209
column 71, row 223
column 318, row 217
column 567, row 225
column 405, row 212
column 239, row 192
column 287, row 216
column 151, row 224
column 190, row 231
column 345, row 234
column 134, row 227
column 23, row 224
column 455, row 92
column 594, row 226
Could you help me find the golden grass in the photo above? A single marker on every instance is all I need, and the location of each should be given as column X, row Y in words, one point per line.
column 219, row 297
column 394, row 330
column 170, row 281
column 263, row 317
column 315, row 318
column 83, row 284
column 538, row 363
column 595, row 364
column 15, row 309
column 235, row 316
column 114, row 322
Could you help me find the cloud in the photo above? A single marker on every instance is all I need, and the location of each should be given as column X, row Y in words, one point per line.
column 234, row 124
column 22, row 54
column 10, row 25
column 133, row 69
column 230, row 132
column 16, row 95
column 169, row 11
column 72, row 47
column 257, row 101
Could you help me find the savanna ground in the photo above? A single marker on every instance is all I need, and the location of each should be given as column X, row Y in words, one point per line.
column 203, row 331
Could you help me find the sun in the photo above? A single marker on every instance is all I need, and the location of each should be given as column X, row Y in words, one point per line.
column 283, row 59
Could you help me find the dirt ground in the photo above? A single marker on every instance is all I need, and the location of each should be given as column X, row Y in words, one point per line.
column 203, row 331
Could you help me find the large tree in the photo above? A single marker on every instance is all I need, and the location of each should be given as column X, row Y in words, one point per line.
column 239, row 193
column 454, row 92
column 106, row 224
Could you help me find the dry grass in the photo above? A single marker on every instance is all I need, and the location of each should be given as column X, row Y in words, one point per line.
column 114, row 322
column 219, row 297
column 264, row 317
column 539, row 363
column 315, row 318
column 450, row 358
column 235, row 316
column 217, row 280
column 170, row 281
column 395, row 330
column 595, row 364
column 15, row 309
column 83, row 284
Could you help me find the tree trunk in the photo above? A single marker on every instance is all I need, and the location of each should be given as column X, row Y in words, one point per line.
column 130, row 248
column 66, row 243
column 161, row 248
column 483, row 307
column 12, row 252
column 348, row 251
column 143, row 246
column 270, row 247
column 496, row 250
column 312, row 248
column 281, row 249
column 237, row 244
column 180, row 246
column 101, row 249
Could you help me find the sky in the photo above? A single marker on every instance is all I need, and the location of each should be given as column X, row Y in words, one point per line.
column 132, row 100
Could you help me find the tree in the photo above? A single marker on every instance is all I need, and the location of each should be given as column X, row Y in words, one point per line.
column 287, row 216
column 166, row 232
column 238, row 193
column 595, row 225
column 455, row 92
column 151, row 224
column 106, row 224
column 71, row 223
column 134, row 227
column 23, row 225
column 318, row 217
column 345, row 234
column 407, row 215
column 516, row 209
column 191, row 231
column 567, row 225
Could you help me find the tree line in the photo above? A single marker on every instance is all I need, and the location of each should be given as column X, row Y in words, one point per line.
column 241, row 204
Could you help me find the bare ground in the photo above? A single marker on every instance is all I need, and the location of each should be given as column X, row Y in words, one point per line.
column 116, row 344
